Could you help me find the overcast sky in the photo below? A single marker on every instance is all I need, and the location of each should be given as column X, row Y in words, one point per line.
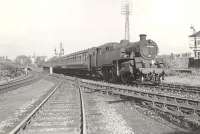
column 38, row 26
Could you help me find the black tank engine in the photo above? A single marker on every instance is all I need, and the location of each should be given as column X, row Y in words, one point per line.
column 125, row 61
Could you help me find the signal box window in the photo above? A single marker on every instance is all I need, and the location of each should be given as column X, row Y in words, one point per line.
column 107, row 48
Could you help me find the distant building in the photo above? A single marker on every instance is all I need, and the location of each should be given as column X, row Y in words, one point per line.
column 175, row 60
column 195, row 44
column 3, row 58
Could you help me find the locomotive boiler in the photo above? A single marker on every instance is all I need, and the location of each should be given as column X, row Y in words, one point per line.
column 125, row 61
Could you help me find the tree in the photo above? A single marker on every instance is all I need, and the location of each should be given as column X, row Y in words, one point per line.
column 23, row 60
column 8, row 69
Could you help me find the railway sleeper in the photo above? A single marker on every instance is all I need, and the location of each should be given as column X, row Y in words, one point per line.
column 187, row 111
column 171, row 99
column 181, row 101
column 160, row 97
column 159, row 105
column 177, row 117
column 194, row 103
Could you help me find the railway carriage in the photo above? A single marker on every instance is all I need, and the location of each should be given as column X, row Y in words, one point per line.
column 125, row 61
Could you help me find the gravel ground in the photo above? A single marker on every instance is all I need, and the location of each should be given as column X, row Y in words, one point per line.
column 191, row 80
column 102, row 118
column 144, row 121
column 14, row 104
column 117, row 116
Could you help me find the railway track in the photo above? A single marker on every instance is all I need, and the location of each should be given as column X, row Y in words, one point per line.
column 62, row 111
column 175, row 88
column 18, row 83
column 186, row 90
column 179, row 103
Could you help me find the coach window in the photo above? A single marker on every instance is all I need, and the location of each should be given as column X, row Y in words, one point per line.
column 107, row 48
column 81, row 58
column 99, row 51
column 198, row 55
column 84, row 56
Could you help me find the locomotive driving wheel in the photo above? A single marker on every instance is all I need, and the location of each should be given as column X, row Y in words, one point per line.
column 125, row 77
column 113, row 75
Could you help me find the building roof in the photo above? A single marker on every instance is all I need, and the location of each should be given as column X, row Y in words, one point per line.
column 197, row 34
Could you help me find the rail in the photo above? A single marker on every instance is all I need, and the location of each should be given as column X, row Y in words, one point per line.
column 17, row 82
column 26, row 120
column 83, row 119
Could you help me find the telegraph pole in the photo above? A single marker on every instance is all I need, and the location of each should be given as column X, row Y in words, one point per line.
column 126, row 11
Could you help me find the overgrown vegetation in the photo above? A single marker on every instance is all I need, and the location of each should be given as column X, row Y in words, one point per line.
column 9, row 70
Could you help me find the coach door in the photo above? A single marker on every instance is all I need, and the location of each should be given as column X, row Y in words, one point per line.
column 89, row 62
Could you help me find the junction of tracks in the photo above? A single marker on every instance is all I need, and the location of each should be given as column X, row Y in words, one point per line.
column 62, row 104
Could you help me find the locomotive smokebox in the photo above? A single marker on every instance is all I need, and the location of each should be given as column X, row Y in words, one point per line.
column 143, row 37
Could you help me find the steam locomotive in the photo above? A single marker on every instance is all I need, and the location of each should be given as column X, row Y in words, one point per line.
column 125, row 61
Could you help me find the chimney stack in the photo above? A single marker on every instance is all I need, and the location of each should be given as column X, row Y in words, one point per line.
column 143, row 37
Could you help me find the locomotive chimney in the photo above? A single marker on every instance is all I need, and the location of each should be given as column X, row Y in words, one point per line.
column 143, row 37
